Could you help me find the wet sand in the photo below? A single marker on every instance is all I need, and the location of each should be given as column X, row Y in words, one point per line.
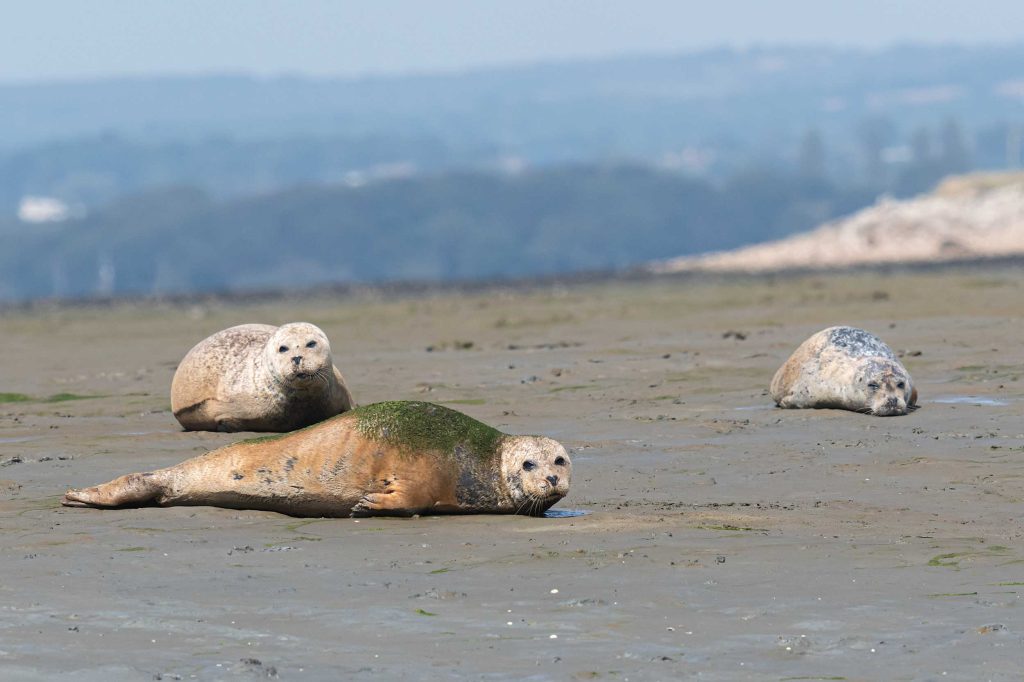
column 725, row 539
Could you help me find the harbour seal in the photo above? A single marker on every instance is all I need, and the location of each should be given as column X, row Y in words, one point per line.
column 256, row 377
column 845, row 368
column 392, row 458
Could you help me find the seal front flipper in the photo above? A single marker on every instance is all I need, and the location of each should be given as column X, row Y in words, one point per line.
column 133, row 489
column 229, row 425
column 387, row 503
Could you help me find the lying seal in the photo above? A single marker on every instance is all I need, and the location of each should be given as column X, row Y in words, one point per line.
column 848, row 369
column 255, row 377
column 393, row 458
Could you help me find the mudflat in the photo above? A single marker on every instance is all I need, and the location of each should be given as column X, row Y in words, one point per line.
column 722, row 539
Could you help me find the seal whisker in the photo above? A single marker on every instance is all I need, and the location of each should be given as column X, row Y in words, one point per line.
column 524, row 508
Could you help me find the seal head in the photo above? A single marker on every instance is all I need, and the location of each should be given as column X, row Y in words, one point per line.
column 536, row 471
column 298, row 355
column 887, row 387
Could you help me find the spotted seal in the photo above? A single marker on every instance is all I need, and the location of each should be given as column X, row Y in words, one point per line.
column 391, row 458
column 256, row 377
column 845, row 368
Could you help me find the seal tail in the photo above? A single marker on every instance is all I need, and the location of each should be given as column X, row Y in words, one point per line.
column 130, row 490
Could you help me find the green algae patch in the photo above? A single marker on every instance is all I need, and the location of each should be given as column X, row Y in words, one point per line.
column 574, row 387
column 294, row 526
column 414, row 426
column 55, row 398
column 953, row 559
column 425, row 613
column 730, row 527
column 64, row 397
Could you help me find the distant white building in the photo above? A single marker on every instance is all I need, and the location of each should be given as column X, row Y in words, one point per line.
column 380, row 171
column 34, row 209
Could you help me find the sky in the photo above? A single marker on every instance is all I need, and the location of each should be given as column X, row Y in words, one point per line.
column 47, row 40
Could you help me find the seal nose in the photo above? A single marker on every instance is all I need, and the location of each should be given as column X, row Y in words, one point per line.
column 296, row 359
column 553, row 480
column 892, row 403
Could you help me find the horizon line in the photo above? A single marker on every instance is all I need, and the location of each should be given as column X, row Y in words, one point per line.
column 491, row 67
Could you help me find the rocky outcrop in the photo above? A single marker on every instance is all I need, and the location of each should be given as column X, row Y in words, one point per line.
column 965, row 218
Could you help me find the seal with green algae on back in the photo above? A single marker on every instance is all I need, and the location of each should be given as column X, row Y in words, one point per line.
column 397, row 458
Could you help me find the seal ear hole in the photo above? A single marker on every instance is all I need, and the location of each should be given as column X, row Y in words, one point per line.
column 529, row 465
column 559, row 461
column 282, row 349
column 311, row 344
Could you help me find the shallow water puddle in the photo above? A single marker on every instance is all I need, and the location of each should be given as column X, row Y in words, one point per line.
column 969, row 400
column 146, row 433
column 564, row 513
column 19, row 439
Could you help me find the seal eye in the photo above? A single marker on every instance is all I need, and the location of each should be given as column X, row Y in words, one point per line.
column 528, row 465
column 901, row 385
column 282, row 349
column 311, row 344
column 873, row 386
column 559, row 461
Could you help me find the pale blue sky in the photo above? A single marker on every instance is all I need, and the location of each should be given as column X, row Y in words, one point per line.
column 72, row 39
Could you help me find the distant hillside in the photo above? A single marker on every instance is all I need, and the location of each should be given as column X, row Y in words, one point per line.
column 428, row 228
column 624, row 104
column 93, row 171
column 879, row 115
column 967, row 217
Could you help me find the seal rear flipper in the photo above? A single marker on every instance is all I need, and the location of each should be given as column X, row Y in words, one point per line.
column 133, row 489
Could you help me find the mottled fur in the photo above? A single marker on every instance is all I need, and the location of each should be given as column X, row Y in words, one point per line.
column 845, row 368
column 240, row 379
column 335, row 469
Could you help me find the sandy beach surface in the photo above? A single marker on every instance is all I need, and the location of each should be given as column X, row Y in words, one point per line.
column 723, row 539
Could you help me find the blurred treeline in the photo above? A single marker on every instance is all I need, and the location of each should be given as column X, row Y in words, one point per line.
column 212, row 183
